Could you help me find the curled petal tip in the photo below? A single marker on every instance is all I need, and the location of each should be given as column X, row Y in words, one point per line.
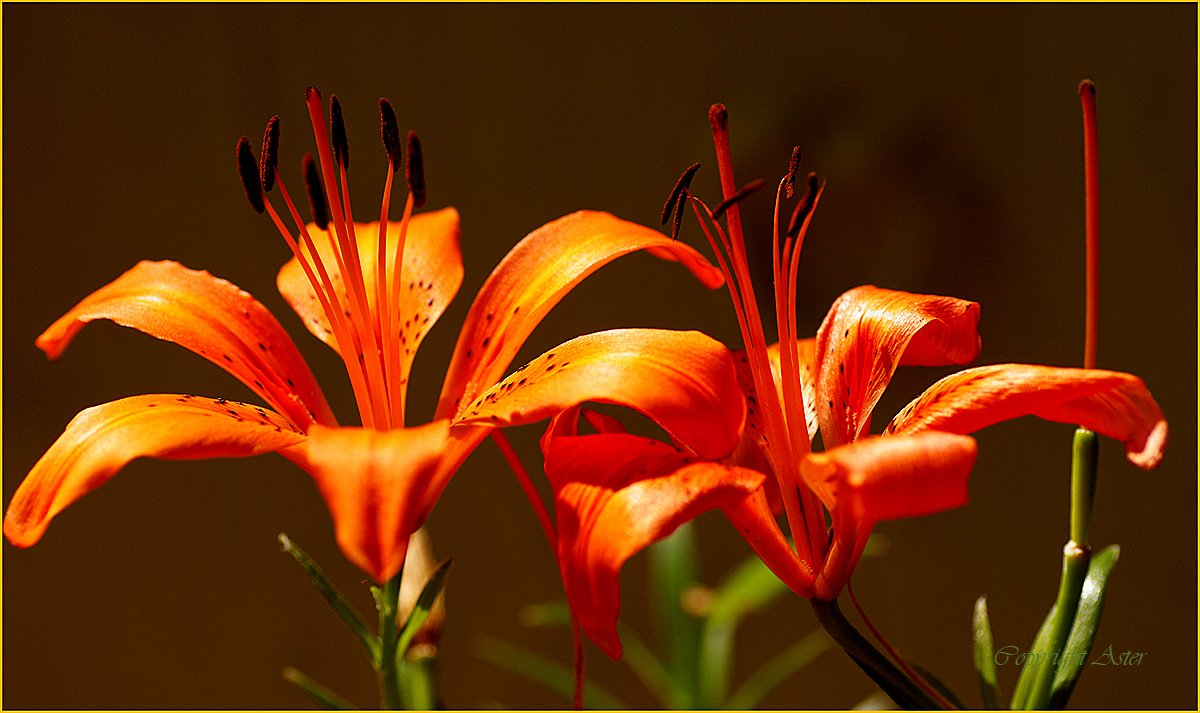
column 1151, row 454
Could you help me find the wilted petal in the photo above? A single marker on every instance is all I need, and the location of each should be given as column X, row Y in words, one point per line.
column 870, row 331
column 211, row 317
column 531, row 280
column 374, row 483
column 101, row 440
column 684, row 381
column 614, row 495
column 1110, row 403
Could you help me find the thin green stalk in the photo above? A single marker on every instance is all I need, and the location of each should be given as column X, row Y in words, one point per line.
column 894, row 683
column 1076, row 556
column 386, row 672
column 320, row 694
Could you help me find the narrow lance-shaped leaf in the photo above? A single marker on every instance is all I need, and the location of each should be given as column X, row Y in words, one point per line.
column 985, row 657
column 1087, row 621
column 331, row 594
column 551, row 674
column 777, row 670
column 324, row 697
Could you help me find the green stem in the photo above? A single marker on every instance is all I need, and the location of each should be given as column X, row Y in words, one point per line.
column 894, row 683
column 420, row 678
column 386, row 673
column 1076, row 556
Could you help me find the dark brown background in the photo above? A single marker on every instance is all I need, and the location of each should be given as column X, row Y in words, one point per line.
column 951, row 140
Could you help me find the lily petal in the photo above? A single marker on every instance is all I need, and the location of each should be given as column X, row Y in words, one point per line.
column 1114, row 404
column 889, row 478
column 531, row 280
column 374, row 484
column 684, row 381
column 101, row 440
column 614, row 495
column 429, row 278
column 870, row 331
column 211, row 317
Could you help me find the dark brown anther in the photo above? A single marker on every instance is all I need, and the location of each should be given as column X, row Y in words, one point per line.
column 248, row 172
column 793, row 166
column 316, row 194
column 805, row 206
column 414, row 170
column 268, row 160
column 677, row 220
column 718, row 117
column 742, row 194
column 390, row 133
column 337, row 133
column 684, row 182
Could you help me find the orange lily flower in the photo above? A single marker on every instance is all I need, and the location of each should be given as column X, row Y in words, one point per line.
column 371, row 291
column 616, row 493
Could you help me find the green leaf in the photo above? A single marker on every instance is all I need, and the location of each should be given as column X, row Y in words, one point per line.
column 985, row 656
column 1087, row 621
column 321, row 695
column 335, row 599
column 777, row 670
column 673, row 568
column 638, row 656
column 424, row 605
column 551, row 674
column 1029, row 671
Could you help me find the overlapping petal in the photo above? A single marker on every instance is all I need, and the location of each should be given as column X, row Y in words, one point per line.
column 430, row 276
column 1114, row 404
column 374, row 484
column 895, row 477
column 614, row 495
column 868, row 332
column 531, row 280
column 684, row 381
column 101, row 440
column 211, row 317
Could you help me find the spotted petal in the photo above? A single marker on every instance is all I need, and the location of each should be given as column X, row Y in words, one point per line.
column 211, row 317
column 374, row 483
column 101, row 440
column 531, row 279
column 429, row 279
column 1111, row 403
column 870, row 331
column 684, row 381
column 614, row 495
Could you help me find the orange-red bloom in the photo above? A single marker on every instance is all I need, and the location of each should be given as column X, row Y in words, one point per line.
column 616, row 493
column 372, row 291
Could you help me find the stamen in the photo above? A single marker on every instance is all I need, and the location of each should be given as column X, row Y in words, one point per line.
column 677, row 220
column 718, row 117
column 1091, row 164
column 742, row 194
column 805, row 206
column 268, row 160
column 316, row 195
column 681, row 185
column 793, row 165
column 248, row 172
column 414, row 171
column 337, row 134
column 390, row 133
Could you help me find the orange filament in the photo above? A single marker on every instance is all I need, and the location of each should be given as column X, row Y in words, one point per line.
column 527, row 487
column 395, row 337
column 1091, row 165
column 383, row 324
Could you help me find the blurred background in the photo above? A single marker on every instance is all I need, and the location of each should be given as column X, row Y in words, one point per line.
column 951, row 140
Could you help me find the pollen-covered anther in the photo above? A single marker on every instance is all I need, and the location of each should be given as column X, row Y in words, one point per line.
column 805, row 206
column 337, row 134
column 742, row 194
column 681, row 185
column 414, row 170
column 789, row 182
column 248, row 172
column 389, row 131
column 316, row 194
column 268, row 160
